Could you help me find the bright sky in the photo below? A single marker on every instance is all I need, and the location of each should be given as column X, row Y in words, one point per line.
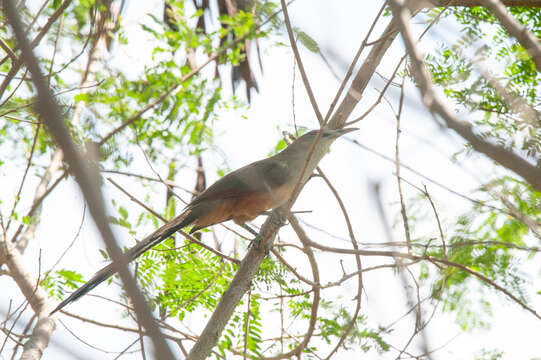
column 338, row 27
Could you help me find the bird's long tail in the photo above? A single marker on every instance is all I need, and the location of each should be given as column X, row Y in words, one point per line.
column 183, row 220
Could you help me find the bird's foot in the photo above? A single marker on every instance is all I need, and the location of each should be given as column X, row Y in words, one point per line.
column 249, row 229
column 258, row 241
column 280, row 220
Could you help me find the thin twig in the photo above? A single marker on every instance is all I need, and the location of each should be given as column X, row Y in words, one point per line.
column 139, row 327
column 247, row 324
column 71, row 244
column 429, row 179
column 442, row 236
column 405, row 221
column 21, row 184
column 8, row 50
column 37, row 202
column 301, row 66
column 351, row 323
column 353, row 63
column 55, row 48
column 402, row 276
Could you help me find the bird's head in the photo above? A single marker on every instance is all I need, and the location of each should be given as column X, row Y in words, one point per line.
column 300, row 148
column 326, row 134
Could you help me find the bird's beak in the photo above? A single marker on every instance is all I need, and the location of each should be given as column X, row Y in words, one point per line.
column 343, row 131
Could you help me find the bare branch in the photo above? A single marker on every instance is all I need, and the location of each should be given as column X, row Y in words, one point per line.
column 8, row 50
column 351, row 323
column 434, row 260
column 15, row 66
column 397, row 168
column 316, row 289
column 359, row 83
column 388, row 234
column 21, row 184
column 36, row 297
column 299, row 63
column 353, row 63
column 442, row 236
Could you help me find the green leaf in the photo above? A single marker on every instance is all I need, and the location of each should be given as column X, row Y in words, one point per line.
column 307, row 41
column 104, row 254
column 81, row 97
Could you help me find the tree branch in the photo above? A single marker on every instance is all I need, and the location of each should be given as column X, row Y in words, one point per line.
column 87, row 178
column 517, row 30
column 504, row 157
column 36, row 297
column 359, row 83
column 301, row 66
column 239, row 285
column 15, row 66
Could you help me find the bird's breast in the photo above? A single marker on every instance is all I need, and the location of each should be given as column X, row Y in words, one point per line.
column 249, row 207
column 245, row 207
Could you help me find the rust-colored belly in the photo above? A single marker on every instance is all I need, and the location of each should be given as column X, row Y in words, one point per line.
column 244, row 208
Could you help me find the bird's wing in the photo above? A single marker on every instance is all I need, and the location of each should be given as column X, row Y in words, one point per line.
column 257, row 178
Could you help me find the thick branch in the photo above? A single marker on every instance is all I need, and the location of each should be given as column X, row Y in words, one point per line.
column 95, row 55
column 503, row 156
column 87, row 178
column 364, row 75
column 239, row 285
column 517, row 30
column 36, row 297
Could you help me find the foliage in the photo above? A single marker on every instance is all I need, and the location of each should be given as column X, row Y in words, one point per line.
column 507, row 97
column 503, row 103
column 183, row 280
column 57, row 283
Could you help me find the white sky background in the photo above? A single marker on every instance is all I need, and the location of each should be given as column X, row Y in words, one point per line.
column 338, row 27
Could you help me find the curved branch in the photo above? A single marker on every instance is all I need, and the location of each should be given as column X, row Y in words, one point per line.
column 434, row 260
column 351, row 323
column 316, row 288
column 507, row 158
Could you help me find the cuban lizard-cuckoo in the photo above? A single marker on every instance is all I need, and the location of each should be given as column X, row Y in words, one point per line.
column 240, row 196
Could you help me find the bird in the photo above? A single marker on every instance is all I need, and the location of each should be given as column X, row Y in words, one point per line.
column 240, row 196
